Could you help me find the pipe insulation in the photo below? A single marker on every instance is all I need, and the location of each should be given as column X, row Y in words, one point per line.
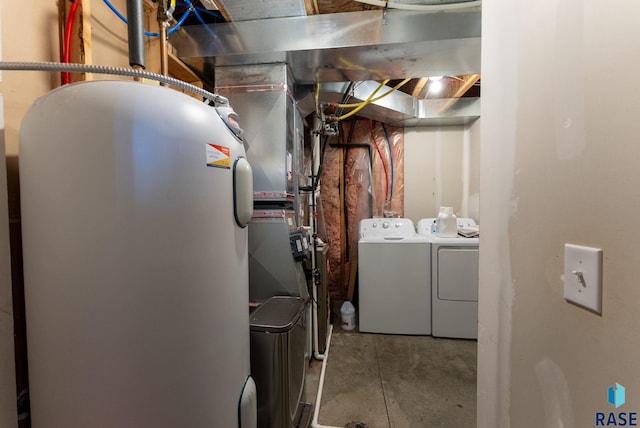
column 59, row 67
column 135, row 29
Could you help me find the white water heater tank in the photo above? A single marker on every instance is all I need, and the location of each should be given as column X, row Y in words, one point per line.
column 134, row 201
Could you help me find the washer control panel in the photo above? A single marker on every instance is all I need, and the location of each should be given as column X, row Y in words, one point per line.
column 392, row 228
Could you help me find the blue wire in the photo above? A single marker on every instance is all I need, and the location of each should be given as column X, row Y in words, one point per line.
column 113, row 8
column 180, row 21
column 195, row 10
column 198, row 16
column 148, row 33
column 214, row 13
column 386, row 135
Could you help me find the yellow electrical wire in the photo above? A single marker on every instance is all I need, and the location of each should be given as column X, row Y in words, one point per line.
column 399, row 85
column 364, row 103
column 169, row 11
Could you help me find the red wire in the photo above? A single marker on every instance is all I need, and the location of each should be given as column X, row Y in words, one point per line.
column 384, row 166
column 66, row 52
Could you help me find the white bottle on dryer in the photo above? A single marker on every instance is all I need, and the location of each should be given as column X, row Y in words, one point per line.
column 446, row 223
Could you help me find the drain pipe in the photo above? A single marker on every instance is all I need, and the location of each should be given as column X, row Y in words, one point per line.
column 316, row 412
column 135, row 29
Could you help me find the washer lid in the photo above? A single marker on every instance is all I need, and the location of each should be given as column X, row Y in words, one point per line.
column 278, row 314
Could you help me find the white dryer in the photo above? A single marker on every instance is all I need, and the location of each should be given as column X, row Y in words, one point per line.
column 454, row 282
column 393, row 278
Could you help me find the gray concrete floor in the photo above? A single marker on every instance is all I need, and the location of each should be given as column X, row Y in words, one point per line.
column 388, row 381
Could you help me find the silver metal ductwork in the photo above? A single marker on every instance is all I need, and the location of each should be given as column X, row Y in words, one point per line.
column 262, row 96
column 398, row 108
column 355, row 46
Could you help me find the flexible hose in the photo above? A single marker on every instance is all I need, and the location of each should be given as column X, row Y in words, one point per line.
column 364, row 103
column 59, row 67
column 422, row 7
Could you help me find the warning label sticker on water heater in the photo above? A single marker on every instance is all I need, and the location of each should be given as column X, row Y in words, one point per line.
column 218, row 156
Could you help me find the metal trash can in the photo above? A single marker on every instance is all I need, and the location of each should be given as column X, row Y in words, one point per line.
column 278, row 365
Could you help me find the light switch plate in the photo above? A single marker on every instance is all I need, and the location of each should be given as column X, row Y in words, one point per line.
column 583, row 276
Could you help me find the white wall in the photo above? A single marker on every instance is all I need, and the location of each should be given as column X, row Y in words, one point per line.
column 559, row 165
column 441, row 169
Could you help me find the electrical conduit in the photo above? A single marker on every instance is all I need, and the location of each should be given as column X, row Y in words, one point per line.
column 58, row 67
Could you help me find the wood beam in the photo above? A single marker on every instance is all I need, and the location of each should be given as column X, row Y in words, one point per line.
column 223, row 11
column 468, row 81
column 419, row 87
column 308, row 4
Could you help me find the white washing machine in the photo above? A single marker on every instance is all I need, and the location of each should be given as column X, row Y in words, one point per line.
column 393, row 278
column 454, row 282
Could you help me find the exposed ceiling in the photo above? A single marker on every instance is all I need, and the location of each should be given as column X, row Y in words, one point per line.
column 348, row 41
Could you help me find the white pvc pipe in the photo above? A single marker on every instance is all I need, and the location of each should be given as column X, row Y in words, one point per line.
column 422, row 7
column 316, row 412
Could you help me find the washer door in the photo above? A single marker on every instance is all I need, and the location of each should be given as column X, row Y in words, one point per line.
column 458, row 274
